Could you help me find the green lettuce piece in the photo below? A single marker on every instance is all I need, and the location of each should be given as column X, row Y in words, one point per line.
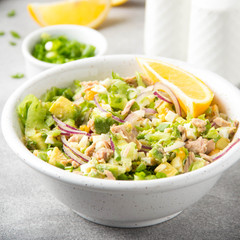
column 175, row 132
column 22, row 108
column 208, row 112
column 202, row 117
column 117, row 101
column 141, row 167
column 82, row 110
column 43, row 155
column 102, row 124
column 115, row 169
column 122, row 177
column 161, row 175
column 49, row 120
column 103, row 97
column 117, row 152
column 213, row 134
column 196, row 165
column 53, row 93
column 119, row 87
column 32, row 115
column 116, row 76
column 150, row 177
column 156, row 153
column 162, row 126
column 36, row 116
column 139, row 80
column 157, row 137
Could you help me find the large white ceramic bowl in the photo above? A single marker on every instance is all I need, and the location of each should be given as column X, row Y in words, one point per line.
column 120, row 203
column 73, row 32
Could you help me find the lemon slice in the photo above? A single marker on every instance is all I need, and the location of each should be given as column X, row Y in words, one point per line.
column 115, row 3
column 89, row 13
column 194, row 96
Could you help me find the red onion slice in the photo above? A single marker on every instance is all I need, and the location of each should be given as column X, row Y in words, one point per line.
column 160, row 96
column 67, row 132
column 213, row 124
column 160, row 86
column 112, row 145
column 230, row 146
column 103, row 110
column 75, row 151
column 117, row 119
column 67, row 129
column 135, row 116
column 143, row 95
column 59, row 122
column 70, row 154
column 146, row 147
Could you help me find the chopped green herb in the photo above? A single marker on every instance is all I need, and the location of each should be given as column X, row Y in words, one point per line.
column 18, row 75
column 2, row 33
column 15, row 34
column 11, row 13
column 61, row 50
column 12, row 43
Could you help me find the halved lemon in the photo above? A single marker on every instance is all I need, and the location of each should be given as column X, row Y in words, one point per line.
column 115, row 3
column 194, row 95
column 89, row 13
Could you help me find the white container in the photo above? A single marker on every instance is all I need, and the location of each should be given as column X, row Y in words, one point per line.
column 73, row 32
column 215, row 37
column 166, row 28
column 119, row 203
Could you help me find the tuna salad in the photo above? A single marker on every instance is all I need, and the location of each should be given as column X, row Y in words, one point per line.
column 122, row 129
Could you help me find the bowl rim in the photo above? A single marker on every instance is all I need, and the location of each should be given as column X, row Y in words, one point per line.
column 27, row 40
column 94, row 184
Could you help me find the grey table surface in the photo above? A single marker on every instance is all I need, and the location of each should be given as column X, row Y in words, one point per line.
column 29, row 211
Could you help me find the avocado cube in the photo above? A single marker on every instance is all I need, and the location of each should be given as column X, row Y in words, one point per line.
column 56, row 158
column 63, row 109
column 166, row 168
column 222, row 143
column 39, row 141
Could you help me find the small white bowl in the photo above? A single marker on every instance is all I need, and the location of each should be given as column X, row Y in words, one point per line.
column 72, row 32
column 120, row 203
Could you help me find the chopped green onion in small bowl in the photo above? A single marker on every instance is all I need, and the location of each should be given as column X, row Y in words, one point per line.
column 60, row 49
column 55, row 45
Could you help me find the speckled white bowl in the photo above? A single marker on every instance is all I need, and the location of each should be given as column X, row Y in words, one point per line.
column 72, row 32
column 120, row 203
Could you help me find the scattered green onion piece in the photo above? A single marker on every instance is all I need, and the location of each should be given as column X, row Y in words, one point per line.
column 69, row 168
column 18, row 75
column 11, row 13
column 2, row 33
column 12, row 43
column 15, row 34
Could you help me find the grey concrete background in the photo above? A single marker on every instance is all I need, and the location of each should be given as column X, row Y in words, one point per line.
column 28, row 211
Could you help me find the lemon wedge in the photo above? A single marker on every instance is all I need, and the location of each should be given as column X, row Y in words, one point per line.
column 194, row 96
column 115, row 3
column 89, row 13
